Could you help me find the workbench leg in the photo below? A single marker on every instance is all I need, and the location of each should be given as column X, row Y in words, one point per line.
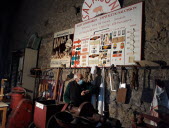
column 4, row 117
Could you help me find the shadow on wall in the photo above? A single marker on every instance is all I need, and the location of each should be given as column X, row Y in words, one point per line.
column 165, row 83
column 121, row 2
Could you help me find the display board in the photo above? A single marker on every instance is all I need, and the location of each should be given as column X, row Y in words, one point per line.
column 113, row 38
column 62, row 45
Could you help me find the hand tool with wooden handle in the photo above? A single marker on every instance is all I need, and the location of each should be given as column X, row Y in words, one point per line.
column 122, row 91
column 56, row 87
column 40, row 89
column 134, row 79
column 147, row 93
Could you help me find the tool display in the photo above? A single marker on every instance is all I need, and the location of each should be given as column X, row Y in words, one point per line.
column 51, row 85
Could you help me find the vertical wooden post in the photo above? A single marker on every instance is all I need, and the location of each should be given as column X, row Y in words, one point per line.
column 3, row 107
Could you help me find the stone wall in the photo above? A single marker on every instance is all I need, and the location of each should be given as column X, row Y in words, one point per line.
column 47, row 17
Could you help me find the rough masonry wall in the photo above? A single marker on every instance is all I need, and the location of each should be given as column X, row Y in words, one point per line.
column 47, row 17
column 155, row 48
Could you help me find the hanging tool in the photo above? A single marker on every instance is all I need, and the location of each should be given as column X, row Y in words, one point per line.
column 113, row 74
column 60, row 87
column 147, row 93
column 134, row 79
column 40, row 89
column 122, row 91
column 101, row 97
column 93, row 75
column 56, row 87
column 111, row 84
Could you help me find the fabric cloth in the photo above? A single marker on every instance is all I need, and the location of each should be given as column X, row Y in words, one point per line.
column 73, row 93
column 160, row 101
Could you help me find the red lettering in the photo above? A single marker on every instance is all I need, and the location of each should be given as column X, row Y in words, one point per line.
column 86, row 10
column 85, row 17
column 134, row 7
column 101, row 0
column 113, row 5
column 107, row 1
column 88, row 5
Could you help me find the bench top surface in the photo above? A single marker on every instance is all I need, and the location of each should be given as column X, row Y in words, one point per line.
column 2, row 104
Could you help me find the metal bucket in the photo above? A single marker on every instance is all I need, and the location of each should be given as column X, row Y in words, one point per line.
column 17, row 94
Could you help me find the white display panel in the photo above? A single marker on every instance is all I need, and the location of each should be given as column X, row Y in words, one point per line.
column 117, row 36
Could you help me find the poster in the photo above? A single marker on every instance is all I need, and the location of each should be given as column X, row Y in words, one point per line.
column 117, row 36
column 118, row 47
column 62, row 46
column 84, row 52
column 105, row 49
column 94, row 42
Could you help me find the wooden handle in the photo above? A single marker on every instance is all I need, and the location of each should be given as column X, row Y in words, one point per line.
column 122, row 76
column 43, row 87
column 46, row 87
column 133, row 77
column 40, row 88
column 54, row 43
column 55, row 89
column 2, row 90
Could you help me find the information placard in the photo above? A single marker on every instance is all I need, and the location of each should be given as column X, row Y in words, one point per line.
column 113, row 38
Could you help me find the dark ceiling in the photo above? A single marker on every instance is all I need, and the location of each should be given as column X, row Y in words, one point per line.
column 8, row 10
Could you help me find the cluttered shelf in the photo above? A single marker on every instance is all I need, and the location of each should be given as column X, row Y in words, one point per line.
column 143, row 64
column 120, row 66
